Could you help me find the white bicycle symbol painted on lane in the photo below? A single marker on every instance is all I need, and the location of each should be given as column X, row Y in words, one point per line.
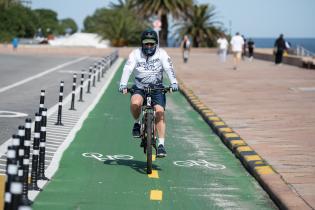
column 100, row 157
column 201, row 163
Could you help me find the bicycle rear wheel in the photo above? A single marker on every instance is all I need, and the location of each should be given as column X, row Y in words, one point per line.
column 149, row 136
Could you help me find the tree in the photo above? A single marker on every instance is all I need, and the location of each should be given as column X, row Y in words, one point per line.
column 200, row 24
column 17, row 21
column 66, row 25
column 121, row 26
column 48, row 21
column 162, row 8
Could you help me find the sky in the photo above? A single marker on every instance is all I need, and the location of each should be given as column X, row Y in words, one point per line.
column 253, row 18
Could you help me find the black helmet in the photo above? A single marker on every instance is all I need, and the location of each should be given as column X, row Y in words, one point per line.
column 149, row 36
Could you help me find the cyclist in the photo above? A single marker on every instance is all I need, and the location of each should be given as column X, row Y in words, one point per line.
column 148, row 63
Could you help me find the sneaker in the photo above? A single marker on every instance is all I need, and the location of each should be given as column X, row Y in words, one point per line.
column 161, row 151
column 136, row 130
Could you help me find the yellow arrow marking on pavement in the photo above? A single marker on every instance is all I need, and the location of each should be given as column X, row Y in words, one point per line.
column 156, row 195
column 264, row 170
column 154, row 174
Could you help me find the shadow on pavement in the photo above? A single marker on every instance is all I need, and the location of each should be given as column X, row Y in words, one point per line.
column 139, row 166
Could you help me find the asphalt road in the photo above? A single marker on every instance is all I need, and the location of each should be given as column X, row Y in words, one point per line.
column 22, row 79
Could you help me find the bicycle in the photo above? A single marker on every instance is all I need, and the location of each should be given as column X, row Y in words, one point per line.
column 147, row 130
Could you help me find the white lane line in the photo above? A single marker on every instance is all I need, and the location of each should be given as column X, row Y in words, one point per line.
column 40, row 74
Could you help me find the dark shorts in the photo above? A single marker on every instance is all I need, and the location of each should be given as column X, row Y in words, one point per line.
column 158, row 97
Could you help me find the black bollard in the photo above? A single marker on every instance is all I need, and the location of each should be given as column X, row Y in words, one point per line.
column 26, row 161
column 42, row 148
column 21, row 136
column 60, row 104
column 99, row 69
column 11, row 172
column 94, row 75
column 41, row 101
column 74, row 84
column 34, row 175
column 103, row 67
column 89, row 81
column 81, row 87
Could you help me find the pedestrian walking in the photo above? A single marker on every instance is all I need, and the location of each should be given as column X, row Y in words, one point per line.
column 15, row 43
column 250, row 46
column 279, row 49
column 237, row 43
column 244, row 48
column 222, row 47
column 185, row 45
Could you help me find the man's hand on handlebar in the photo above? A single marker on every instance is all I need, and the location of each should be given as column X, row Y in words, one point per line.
column 123, row 89
column 174, row 87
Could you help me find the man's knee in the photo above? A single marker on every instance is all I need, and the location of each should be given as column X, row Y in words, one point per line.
column 136, row 101
column 159, row 113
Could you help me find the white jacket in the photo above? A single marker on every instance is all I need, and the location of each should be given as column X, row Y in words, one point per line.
column 148, row 70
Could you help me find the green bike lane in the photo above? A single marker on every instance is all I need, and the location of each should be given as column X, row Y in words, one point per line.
column 104, row 167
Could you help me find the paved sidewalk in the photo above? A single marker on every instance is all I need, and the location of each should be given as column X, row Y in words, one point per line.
column 273, row 110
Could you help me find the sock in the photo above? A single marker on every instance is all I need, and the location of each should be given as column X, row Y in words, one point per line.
column 161, row 141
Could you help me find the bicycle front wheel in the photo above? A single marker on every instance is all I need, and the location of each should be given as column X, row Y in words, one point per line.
column 149, row 136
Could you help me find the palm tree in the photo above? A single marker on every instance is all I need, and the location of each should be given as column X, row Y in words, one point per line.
column 200, row 24
column 162, row 8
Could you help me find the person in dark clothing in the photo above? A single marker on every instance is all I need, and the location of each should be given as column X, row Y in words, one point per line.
column 279, row 48
column 250, row 46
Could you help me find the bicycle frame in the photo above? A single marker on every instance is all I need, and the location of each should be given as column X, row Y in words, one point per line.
column 148, row 129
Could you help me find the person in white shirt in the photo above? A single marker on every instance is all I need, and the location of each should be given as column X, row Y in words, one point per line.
column 223, row 47
column 148, row 64
column 237, row 43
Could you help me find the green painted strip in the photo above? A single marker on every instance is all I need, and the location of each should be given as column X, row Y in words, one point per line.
column 96, row 171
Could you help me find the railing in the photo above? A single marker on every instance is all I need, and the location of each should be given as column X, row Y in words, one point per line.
column 301, row 51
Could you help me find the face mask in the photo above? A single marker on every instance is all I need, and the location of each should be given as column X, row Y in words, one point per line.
column 148, row 51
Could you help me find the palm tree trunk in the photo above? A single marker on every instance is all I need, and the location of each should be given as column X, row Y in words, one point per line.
column 163, row 32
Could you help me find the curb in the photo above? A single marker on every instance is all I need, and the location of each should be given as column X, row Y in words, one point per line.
column 271, row 181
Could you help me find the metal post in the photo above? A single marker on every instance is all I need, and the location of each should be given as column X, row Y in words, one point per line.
column 74, row 84
column 34, row 175
column 60, row 104
column 99, row 68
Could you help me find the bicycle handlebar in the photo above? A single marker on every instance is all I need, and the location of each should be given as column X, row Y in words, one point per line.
column 150, row 89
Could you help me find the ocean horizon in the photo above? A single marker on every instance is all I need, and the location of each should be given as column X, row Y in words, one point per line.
column 263, row 42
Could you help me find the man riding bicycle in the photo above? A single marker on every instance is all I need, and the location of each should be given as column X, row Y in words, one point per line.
column 148, row 64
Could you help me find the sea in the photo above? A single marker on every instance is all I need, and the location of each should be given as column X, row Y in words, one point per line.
column 307, row 43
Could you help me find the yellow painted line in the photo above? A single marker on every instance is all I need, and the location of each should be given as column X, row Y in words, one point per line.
column 238, row 142
column 208, row 112
column 214, row 118
column 231, row 135
column 154, row 174
column 218, row 123
column 244, row 149
column 156, row 195
column 153, row 157
column 252, row 157
column 264, row 170
column 228, row 130
column 2, row 184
